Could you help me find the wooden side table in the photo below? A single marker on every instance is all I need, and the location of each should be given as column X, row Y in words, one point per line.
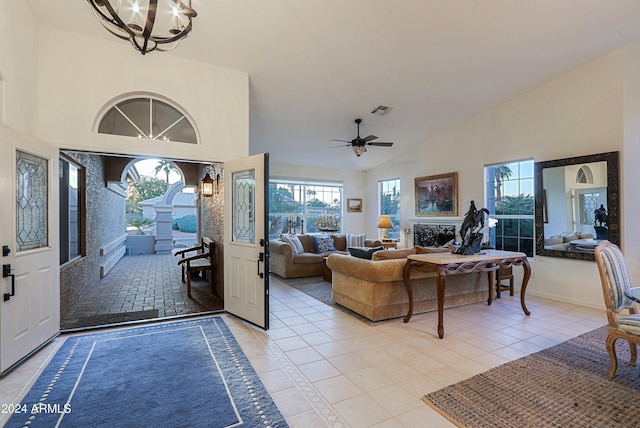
column 390, row 244
column 445, row 264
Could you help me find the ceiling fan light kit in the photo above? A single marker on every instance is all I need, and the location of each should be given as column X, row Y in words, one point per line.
column 147, row 27
column 359, row 144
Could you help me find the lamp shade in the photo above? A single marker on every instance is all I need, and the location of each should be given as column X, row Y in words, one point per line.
column 384, row 222
column 207, row 185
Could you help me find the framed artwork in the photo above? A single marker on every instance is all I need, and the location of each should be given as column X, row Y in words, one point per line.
column 437, row 195
column 354, row 205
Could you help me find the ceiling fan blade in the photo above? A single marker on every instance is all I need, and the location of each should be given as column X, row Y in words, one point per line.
column 341, row 145
column 369, row 138
column 344, row 141
column 380, row 144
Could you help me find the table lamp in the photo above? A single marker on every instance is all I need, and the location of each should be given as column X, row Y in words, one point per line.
column 384, row 223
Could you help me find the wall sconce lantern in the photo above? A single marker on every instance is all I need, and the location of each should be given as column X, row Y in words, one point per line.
column 207, row 185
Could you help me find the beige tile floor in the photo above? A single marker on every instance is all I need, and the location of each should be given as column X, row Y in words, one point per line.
column 324, row 367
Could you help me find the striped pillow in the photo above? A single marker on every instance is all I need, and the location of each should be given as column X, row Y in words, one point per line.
column 355, row 240
column 294, row 241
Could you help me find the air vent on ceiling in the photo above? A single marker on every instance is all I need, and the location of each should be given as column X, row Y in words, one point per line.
column 381, row 110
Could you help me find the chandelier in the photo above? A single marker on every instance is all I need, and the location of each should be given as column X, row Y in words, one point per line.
column 148, row 27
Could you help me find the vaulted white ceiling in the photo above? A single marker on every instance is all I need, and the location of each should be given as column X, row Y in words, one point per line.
column 316, row 65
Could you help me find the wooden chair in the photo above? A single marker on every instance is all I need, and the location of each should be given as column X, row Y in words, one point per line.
column 615, row 279
column 502, row 274
column 197, row 259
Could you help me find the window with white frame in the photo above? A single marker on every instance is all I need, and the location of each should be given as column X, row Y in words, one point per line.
column 389, row 197
column 509, row 198
column 296, row 207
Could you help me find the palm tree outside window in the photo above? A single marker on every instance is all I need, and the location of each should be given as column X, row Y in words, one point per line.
column 509, row 198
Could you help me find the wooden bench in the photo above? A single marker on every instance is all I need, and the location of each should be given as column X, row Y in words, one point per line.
column 197, row 259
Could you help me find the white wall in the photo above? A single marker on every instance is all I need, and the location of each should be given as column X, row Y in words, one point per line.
column 353, row 186
column 579, row 113
column 72, row 92
column 18, row 66
column 631, row 177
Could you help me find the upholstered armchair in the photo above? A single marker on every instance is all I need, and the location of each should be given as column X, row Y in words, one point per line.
column 615, row 280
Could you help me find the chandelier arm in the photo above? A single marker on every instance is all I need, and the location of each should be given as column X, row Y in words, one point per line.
column 149, row 23
column 113, row 20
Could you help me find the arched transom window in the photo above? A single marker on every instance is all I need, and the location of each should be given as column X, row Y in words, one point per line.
column 584, row 175
column 148, row 118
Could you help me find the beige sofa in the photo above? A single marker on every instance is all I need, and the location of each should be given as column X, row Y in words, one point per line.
column 562, row 242
column 375, row 288
column 284, row 263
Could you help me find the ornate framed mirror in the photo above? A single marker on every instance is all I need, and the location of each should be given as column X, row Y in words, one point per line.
column 576, row 205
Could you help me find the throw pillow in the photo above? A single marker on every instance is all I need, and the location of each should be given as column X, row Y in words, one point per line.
column 323, row 244
column 355, row 240
column 294, row 242
column 363, row 252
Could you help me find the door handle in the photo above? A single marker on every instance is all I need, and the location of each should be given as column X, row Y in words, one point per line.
column 6, row 272
column 260, row 259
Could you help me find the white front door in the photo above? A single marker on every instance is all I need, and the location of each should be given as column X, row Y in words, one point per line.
column 246, row 247
column 29, row 230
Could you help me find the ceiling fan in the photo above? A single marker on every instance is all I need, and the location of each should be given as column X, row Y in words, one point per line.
column 359, row 144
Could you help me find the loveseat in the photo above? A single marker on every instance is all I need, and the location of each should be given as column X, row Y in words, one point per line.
column 375, row 288
column 284, row 262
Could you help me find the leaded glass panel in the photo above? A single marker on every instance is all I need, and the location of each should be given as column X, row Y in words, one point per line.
column 243, row 218
column 31, row 201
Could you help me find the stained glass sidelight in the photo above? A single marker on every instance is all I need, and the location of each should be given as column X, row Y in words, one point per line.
column 31, row 201
column 243, row 222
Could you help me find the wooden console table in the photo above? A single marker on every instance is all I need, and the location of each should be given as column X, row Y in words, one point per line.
column 452, row 264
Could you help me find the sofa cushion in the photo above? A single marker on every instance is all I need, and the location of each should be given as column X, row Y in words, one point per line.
column 356, row 240
column 553, row 240
column 323, row 244
column 307, row 243
column 339, row 241
column 585, row 236
column 307, row 259
column 569, row 237
column 393, row 254
column 364, row 252
column 294, row 241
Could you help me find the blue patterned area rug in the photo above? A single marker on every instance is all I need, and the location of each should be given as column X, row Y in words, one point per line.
column 180, row 374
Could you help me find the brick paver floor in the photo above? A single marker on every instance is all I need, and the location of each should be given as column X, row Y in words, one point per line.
column 141, row 287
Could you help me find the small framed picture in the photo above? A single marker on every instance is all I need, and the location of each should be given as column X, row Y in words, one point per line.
column 354, row 205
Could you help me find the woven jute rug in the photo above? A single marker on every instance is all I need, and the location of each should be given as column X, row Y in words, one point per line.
column 563, row 386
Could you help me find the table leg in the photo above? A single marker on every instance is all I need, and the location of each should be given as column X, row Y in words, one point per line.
column 407, row 283
column 491, row 275
column 440, row 292
column 525, row 281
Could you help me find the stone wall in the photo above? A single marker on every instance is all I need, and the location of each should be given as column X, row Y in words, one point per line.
column 211, row 222
column 105, row 227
